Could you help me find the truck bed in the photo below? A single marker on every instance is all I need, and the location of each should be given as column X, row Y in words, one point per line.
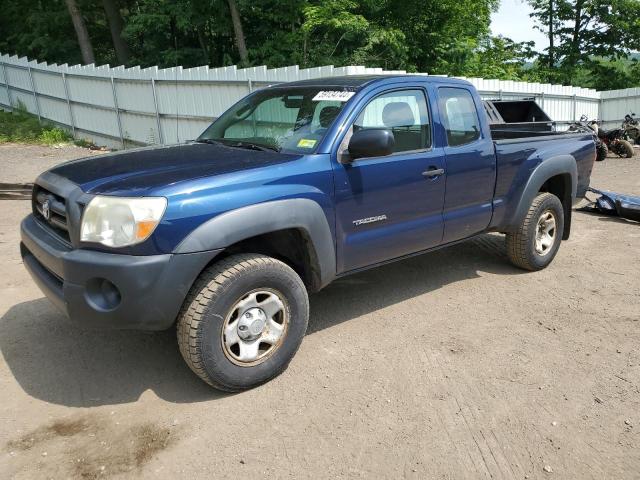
column 518, row 156
column 517, row 115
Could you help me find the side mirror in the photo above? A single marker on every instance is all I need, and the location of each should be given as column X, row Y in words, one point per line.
column 373, row 142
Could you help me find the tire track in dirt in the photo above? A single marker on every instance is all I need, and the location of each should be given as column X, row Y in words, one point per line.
column 509, row 462
column 456, row 425
column 476, row 433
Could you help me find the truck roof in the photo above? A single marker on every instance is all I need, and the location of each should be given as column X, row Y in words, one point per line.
column 359, row 81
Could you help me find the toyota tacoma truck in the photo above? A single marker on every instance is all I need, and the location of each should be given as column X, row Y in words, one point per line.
column 294, row 186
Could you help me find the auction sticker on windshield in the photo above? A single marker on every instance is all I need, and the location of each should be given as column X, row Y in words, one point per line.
column 335, row 95
column 306, row 143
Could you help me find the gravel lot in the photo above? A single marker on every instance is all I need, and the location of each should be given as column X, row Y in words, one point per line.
column 452, row 365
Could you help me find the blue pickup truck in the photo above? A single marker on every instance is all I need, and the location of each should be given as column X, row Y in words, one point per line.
column 294, row 186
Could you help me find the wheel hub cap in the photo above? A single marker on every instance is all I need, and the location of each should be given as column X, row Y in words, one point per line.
column 251, row 324
column 545, row 233
column 255, row 327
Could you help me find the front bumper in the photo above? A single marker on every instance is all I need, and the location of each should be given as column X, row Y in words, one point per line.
column 107, row 290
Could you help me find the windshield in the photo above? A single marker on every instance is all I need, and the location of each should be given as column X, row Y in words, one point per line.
column 291, row 120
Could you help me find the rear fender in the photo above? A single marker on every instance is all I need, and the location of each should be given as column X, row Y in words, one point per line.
column 549, row 168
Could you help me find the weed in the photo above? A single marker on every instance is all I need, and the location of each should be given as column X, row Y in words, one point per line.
column 22, row 127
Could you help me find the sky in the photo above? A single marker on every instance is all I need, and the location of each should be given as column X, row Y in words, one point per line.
column 512, row 20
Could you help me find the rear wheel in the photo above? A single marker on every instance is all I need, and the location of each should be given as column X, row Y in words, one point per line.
column 627, row 148
column 623, row 148
column 535, row 244
column 243, row 321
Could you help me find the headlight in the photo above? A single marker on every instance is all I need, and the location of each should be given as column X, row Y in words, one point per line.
column 120, row 221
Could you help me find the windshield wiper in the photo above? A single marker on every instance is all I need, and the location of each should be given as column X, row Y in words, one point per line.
column 209, row 141
column 253, row 146
column 239, row 144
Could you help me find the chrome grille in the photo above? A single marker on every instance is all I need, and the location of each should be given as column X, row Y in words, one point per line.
column 51, row 210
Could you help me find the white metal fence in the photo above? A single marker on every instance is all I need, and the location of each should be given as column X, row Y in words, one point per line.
column 119, row 107
column 615, row 104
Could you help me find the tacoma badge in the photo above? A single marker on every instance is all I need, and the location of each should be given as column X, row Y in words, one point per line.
column 364, row 221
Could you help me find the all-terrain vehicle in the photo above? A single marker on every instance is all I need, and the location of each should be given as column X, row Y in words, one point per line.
column 615, row 141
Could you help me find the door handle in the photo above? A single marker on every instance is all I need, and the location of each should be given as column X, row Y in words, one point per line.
column 433, row 172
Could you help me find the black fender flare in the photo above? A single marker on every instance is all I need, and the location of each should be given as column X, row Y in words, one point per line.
column 549, row 168
column 246, row 222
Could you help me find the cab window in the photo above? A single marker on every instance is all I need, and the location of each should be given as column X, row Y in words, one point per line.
column 405, row 113
column 459, row 116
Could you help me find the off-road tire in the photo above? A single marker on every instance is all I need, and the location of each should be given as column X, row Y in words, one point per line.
column 627, row 148
column 217, row 289
column 520, row 244
column 601, row 152
column 622, row 148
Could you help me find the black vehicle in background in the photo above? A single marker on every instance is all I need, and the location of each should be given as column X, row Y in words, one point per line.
column 631, row 127
column 591, row 126
column 615, row 140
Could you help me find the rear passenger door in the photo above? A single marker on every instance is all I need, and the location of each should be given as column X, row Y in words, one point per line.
column 471, row 164
column 385, row 206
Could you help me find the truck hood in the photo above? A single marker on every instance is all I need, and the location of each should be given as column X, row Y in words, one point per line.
column 135, row 172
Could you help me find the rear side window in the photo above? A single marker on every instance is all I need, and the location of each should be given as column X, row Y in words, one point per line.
column 459, row 116
column 405, row 113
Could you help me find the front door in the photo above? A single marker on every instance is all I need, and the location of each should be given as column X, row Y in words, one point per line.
column 389, row 206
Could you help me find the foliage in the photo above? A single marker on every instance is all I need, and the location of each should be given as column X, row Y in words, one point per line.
column 592, row 39
column 38, row 30
column 500, row 58
column 22, row 127
column 427, row 35
column 348, row 32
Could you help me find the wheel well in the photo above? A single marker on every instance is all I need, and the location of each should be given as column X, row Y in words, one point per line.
column 292, row 246
column 560, row 186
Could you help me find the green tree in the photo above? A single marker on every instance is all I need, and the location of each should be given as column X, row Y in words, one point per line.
column 583, row 33
column 500, row 58
column 427, row 35
column 116, row 24
column 86, row 48
column 238, row 31
column 442, row 35
column 347, row 32
column 589, row 39
column 38, row 31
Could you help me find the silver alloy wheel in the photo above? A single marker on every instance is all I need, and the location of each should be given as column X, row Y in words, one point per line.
column 255, row 327
column 545, row 233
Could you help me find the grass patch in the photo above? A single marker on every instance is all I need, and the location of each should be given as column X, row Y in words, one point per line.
column 20, row 126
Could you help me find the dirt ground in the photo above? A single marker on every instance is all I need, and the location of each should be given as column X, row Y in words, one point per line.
column 452, row 365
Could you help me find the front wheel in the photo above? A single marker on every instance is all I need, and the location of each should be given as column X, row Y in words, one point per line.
column 534, row 245
column 243, row 321
column 629, row 152
column 623, row 148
